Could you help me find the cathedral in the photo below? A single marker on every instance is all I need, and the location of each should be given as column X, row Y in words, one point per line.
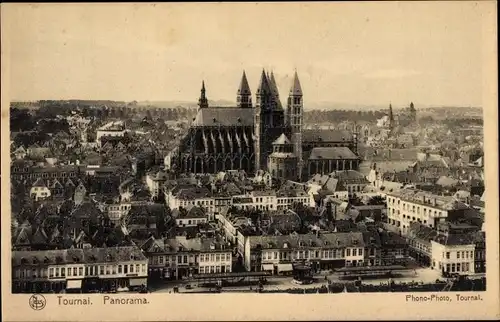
column 262, row 135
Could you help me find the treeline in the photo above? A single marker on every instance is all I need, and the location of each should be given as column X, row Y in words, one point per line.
column 22, row 120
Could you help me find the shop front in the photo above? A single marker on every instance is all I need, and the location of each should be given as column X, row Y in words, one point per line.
column 74, row 286
column 41, row 286
column 268, row 268
column 332, row 264
column 138, row 283
column 285, row 269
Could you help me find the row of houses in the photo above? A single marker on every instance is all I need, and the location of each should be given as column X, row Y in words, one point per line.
column 76, row 270
column 181, row 257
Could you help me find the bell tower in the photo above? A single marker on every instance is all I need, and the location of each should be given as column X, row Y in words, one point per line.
column 295, row 119
column 261, row 119
column 203, row 101
column 244, row 96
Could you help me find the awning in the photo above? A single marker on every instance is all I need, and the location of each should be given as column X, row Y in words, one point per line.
column 72, row 284
column 138, row 281
column 285, row 267
column 267, row 267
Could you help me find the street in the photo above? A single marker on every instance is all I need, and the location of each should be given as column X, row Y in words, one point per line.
column 425, row 275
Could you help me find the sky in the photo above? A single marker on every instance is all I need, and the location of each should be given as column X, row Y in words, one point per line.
column 357, row 53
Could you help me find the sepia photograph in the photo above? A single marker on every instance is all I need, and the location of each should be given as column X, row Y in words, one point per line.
column 243, row 151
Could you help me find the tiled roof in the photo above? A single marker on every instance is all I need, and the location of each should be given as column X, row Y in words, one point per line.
column 69, row 256
column 308, row 240
column 39, row 183
column 446, row 181
column 428, row 199
column 179, row 244
column 349, row 176
column 332, row 153
column 224, row 116
column 455, row 239
column 326, row 136
column 375, row 155
column 193, row 193
column 282, row 140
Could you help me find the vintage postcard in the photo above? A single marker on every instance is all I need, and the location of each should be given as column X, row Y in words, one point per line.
column 249, row 161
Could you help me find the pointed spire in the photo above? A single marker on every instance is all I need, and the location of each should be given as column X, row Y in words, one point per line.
column 274, row 87
column 203, row 101
column 264, row 84
column 244, row 88
column 275, row 91
column 296, row 89
column 244, row 95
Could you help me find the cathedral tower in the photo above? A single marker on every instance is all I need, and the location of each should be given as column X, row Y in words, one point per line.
column 275, row 92
column 295, row 119
column 203, row 101
column 261, row 118
column 244, row 96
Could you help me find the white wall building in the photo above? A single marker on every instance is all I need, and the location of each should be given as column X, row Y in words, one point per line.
column 410, row 205
column 453, row 257
column 39, row 190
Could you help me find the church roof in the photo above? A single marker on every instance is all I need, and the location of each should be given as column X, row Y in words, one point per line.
column 326, row 135
column 332, row 153
column 244, row 87
column 282, row 140
column 224, row 116
column 296, row 89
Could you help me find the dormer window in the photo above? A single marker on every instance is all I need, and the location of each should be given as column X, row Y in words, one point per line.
column 285, row 245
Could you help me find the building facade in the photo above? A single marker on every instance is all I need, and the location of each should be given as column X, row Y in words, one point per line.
column 78, row 270
column 411, row 205
column 180, row 258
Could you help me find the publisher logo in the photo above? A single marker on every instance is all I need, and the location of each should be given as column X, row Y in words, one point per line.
column 37, row 302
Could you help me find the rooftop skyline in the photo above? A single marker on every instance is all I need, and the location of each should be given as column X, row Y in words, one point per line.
column 359, row 53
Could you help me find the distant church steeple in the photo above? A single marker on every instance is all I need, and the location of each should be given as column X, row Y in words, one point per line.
column 391, row 117
column 244, row 96
column 203, row 101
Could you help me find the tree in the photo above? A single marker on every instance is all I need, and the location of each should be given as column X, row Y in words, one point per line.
column 376, row 200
